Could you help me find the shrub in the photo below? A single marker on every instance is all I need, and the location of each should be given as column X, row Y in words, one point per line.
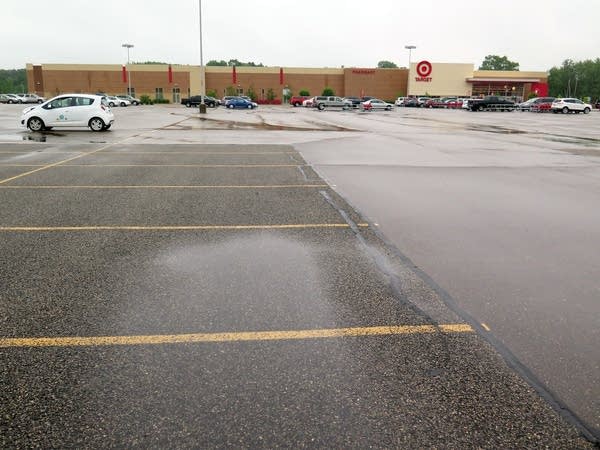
column 251, row 93
column 328, row 92
column 271, row 95
column 532, row 95
column 161, row 100
column 146, row 100
column 230, row 91
column 304, row 93
column 211, row 93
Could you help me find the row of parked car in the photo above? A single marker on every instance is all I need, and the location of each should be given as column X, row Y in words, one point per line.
column 489, row 103
column 229, row 101
column 322, row 102
column 21, row 98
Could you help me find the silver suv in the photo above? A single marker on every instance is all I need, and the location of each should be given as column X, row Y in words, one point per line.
column 323, row 102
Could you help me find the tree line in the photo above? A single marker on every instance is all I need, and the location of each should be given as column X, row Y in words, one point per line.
column 575, row 79
column 13, row 81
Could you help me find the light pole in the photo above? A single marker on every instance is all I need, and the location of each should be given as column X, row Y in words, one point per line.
column 128, row 46
column 202, row 106
column 410, row 48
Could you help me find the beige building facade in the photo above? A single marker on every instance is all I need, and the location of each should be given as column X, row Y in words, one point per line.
column 176, row 81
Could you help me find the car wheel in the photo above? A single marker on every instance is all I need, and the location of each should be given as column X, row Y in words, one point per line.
column 565, row 110
column 321, row 107
column 230, row 106
column 40, row 101
column 123, row 104
column 35, row 124
column 249, row 106
column 388, row 108
column 96, row 124
column 586, row 111
column 10, row 102
column 106, row 127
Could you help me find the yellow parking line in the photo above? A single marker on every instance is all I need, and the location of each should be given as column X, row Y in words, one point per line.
column 182, row 227
column 216, row 186
column 80, row 155
column 233, row 336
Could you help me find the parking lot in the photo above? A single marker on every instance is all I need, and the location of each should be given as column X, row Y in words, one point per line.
column 301, row 278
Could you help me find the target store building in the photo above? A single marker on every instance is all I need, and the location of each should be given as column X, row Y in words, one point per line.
column 446, row 79
column 173, row 82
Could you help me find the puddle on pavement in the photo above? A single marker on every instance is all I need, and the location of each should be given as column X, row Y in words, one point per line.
column 217, row 124
column 585, row 142
column 34, row 137
column 494, row 129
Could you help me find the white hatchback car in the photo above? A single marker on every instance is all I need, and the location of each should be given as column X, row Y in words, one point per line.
column 69, row 110
column 116, row 101
column 567, row 105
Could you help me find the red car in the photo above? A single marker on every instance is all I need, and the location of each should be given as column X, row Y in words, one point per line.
column 297, row 100
column 434, row 103
column 454, row 103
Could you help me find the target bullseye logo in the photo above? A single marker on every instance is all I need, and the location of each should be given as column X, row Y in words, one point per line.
column 423, row 70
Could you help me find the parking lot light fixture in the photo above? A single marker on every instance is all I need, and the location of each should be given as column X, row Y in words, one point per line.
column 128, row 46
column 202, row 105
column 410, row 48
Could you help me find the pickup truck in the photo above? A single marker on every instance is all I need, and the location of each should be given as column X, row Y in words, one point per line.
column 297, row 100
column 321, row 102
column 491, row 103
column 194, row 100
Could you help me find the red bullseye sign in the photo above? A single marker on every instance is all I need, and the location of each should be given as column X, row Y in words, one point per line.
column 424, row 68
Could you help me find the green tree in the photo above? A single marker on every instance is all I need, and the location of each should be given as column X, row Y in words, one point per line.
column 575, row 79
column 328, row 91
column 304, row 93
column 214, row 62
column 495, row 62
column 13, row 81
column 387, row 65
column 230, row 90
column 271, row 94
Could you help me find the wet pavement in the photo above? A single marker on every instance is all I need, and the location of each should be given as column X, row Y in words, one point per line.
column 245, row 303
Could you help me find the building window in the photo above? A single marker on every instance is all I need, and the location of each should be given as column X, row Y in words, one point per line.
column 158, row 93
column 240, row 90
column 131, row 91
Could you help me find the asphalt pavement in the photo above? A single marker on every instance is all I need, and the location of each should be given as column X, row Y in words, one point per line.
column 193, row 295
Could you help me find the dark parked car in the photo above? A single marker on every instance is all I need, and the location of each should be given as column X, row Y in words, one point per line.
column 238, row 102
column 411, row 102
column 354, row 100
column 194, row 100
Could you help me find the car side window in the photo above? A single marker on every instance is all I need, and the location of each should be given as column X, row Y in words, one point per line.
column 84, row 101
column 61, row 102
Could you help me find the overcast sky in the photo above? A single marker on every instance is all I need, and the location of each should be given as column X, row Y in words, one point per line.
column 538, row 34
